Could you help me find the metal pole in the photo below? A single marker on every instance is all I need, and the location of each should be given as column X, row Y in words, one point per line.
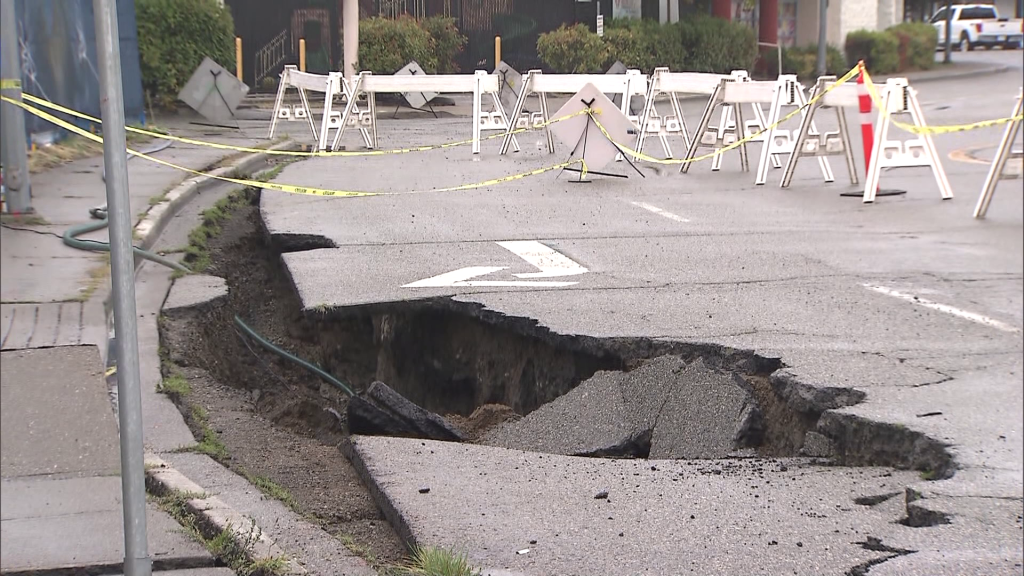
column 822, row 36
column 350, row 19
column 122, row 266
column 13, row 153
column 948, row 56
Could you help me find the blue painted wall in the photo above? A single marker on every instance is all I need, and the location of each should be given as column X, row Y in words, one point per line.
column 59, row 64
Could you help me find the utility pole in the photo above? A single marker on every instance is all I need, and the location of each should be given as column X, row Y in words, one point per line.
column 350, row 19
column 822, row 36
column 13, row 153
column 948, row 56
column 122, row 267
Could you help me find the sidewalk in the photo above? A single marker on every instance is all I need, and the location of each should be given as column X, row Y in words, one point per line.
column 59, row 449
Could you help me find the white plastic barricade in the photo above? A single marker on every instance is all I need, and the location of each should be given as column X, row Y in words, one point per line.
column 899, row 98
column 1004, row 154
column 330, row 85
column 477, row 84
column 808, row 144
column 778, row 140
column 731, row 94
column 632, row 83
column 652, row 123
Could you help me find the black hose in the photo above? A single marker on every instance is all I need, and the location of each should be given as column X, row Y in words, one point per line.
column 295, row 359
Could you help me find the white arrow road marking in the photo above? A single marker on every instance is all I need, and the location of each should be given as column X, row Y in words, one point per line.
column 972, row 316
column 550, row 263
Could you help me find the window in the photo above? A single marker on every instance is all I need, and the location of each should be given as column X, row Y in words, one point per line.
column 977, row 13
column 940, row 16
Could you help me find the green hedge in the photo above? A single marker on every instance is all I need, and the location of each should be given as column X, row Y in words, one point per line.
column 879, row 50
column 386, row 45
column 917, row 42
column 803, row 61
column 448, row 42
column 175, row 36
column 644, row 45
column 700, row 44
column 572, row 50
column 717, row 45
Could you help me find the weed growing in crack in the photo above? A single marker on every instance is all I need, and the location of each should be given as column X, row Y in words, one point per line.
column 210, row 444
column 431, row 561
column 232, row 547
column 175, row 386
column 197, row 253
column 929, row 475
column 235, row 548
column 270, row 488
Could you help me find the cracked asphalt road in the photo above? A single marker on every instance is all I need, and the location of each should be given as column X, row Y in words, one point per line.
column 782, row 272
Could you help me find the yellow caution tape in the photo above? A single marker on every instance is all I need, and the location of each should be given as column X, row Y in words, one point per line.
column 77, row 114
column 289, row 188
column 10, row 84
column 637, row 154
column 947, row 129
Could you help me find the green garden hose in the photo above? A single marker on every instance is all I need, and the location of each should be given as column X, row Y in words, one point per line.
column 295, row 359
column 70, row 239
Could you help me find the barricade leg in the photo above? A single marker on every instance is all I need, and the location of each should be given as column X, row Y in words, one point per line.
column 678, row 111
column 871, row 179
column 723, row 126
column 350, row 106
column 547, row 117
column 844, row 135
column 1003, row 154
column 516, row 112
column 277, row 103
column 504, row 118
column 477, row 107
column 805, row 126
column 744, row 162
column 702, row 127
column 940, row 174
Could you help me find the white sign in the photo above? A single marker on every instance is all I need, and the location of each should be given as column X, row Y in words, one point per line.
column 549, row 262
column 600, row 24
column 626, row 9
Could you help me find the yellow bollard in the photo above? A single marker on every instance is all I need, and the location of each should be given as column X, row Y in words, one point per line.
column 497, row 50
column 302, row 54
column 238, row 57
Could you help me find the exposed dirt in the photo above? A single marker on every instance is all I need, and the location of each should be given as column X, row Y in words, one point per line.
column 278, row 422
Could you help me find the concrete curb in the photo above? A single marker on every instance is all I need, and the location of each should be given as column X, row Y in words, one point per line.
column 153, row 223
column 214, row 516
column 950, row 76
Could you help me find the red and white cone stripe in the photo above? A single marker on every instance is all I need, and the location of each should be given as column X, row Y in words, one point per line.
column 867, row 131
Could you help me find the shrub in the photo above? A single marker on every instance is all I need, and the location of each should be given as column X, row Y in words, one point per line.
column 717, row 45
column 878, row 50
column 572, row 50
column 803, row 61
column 448, row 42
column 644, row 45
column 917, row 42
column 175, row 36
column 386, row 45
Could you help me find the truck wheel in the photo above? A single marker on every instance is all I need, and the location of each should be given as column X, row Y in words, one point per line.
column 965, row 43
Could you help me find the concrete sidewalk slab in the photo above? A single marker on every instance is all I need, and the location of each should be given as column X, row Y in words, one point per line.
column 749, row 516
column 77, row 523
column 56, row 414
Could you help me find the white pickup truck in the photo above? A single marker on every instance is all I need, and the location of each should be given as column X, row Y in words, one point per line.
column 979, row 25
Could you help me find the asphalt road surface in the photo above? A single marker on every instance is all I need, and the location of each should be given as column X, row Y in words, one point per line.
column 909, row 299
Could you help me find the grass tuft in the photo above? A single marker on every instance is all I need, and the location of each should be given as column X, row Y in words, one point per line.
column 175, row 386
column 270, row 488
column 431, row 561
